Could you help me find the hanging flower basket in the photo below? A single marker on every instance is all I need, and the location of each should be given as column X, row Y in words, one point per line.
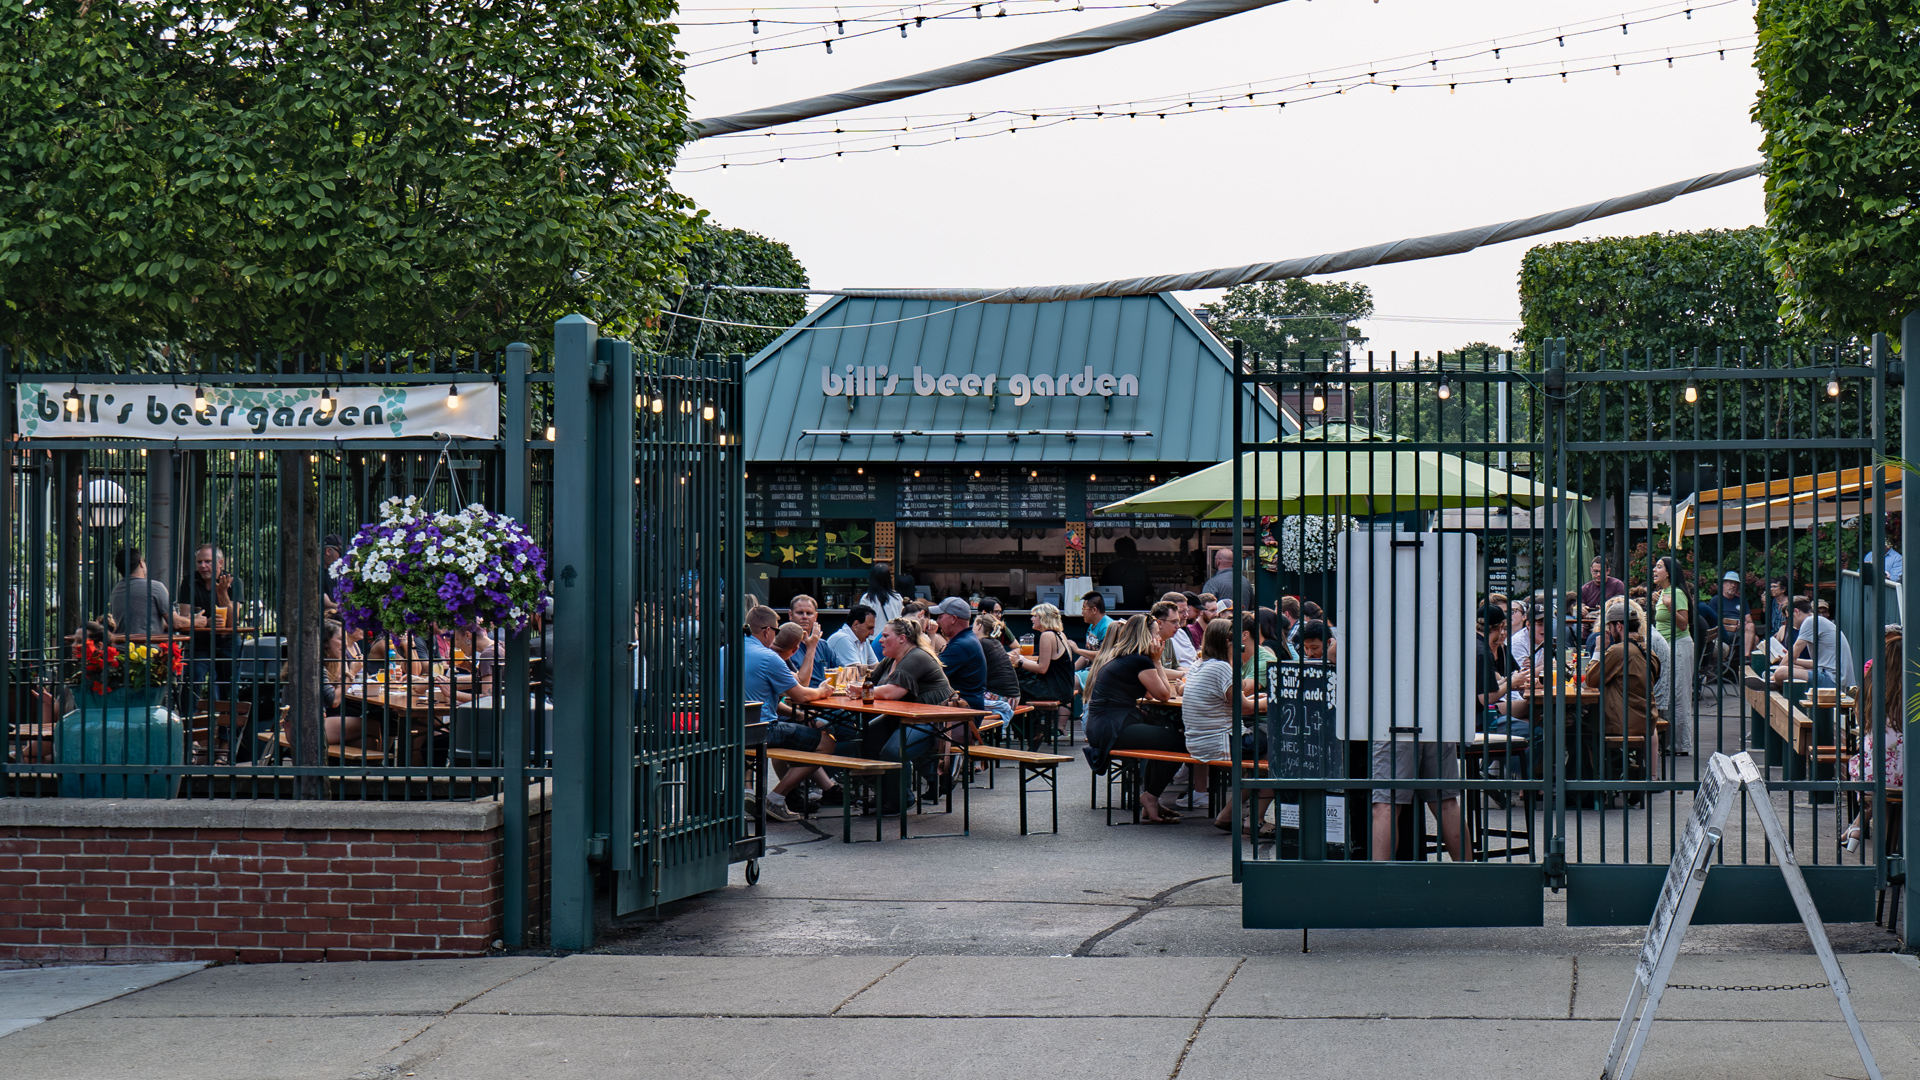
column 413, row 569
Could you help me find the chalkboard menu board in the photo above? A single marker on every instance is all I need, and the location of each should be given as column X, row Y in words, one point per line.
column 1038, row 495
column 843, row 486
column 781, row 498
column 926, row 499
column 1302, row 738
column 1103, row 492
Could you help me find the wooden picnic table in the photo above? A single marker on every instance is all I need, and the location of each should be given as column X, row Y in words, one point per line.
column 907, row 712
column 1790, row 721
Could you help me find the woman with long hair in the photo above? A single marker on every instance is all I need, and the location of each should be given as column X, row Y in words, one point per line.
column 1207, row 706
column 880, row 594
column 1673, row 618
column 1047, row 675
column 1893, row 716
column 1127, row 668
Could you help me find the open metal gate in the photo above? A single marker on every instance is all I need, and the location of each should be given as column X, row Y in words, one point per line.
column 1439, row 485
column 647, row 510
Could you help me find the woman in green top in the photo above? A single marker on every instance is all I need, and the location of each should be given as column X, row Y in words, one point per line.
column 1253, row 672
column 1673, row 618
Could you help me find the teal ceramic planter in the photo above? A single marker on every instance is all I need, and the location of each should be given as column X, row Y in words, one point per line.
column 121, row 727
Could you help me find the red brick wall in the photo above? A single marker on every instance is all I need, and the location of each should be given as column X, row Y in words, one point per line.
column 254, row 895
column 100, row 881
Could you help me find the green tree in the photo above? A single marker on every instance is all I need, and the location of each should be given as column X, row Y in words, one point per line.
column 1704, row 290
column 274, row 175
column 723, row 256
column 1294, row 318
column 1839, row 82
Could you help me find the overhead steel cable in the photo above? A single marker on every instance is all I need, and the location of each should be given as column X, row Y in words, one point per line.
column 1168, row 20
column 1394, row 251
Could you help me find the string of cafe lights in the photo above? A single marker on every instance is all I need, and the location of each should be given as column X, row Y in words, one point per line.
column 1006, row 123
column 1642, row 17
column 894, row 20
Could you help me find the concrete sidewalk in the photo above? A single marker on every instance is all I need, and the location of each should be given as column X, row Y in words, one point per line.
column 1328, row 1015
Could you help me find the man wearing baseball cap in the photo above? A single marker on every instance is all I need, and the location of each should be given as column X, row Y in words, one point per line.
column 1729, row 609
column 964, row 660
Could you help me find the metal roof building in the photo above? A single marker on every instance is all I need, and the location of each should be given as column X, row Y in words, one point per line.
column 1113, row 379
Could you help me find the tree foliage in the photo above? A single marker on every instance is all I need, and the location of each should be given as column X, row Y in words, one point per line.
column 276, row 174
column 722, row 256
column 1840, row 80
column 1684, row 291
column 1293, row 318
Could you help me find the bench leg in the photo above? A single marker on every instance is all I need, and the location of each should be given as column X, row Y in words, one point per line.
column 966, row 792
column 1053, row 789
column 1023, row 798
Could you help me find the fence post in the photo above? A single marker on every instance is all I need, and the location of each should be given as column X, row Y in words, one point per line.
column 513, row 749
column 1910, row 604
column 574, row 342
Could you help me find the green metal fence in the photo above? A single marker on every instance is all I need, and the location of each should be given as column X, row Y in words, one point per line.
column 606, row 728
column 1452, row 484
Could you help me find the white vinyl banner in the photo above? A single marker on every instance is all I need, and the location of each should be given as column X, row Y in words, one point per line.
column 167, row 412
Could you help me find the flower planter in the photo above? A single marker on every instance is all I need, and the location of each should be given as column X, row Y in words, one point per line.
column 120, row 727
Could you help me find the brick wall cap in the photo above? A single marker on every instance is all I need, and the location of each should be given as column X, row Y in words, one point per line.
column 479, row 816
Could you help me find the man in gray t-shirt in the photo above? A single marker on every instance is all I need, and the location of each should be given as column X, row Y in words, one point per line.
column 140, row 605
column 1819, row 653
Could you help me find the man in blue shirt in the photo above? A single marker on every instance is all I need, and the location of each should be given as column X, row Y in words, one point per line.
column 965, row 662
column 768, row 680
column 806, row 614
column 1896, row 563
column 853, row 643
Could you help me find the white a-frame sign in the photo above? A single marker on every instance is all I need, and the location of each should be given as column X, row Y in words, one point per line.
column 1692, row 857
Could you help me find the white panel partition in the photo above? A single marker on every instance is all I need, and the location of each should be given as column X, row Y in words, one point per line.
column 1407, row 637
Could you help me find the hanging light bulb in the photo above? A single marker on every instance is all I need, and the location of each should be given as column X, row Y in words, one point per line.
column 659, row 404
column 550, row 433
column 639, row 401
column 1833, row 385
column 706, row 413
column 453, row 395
column 199, row 399
column 1319, row 399
column 73, row 402
column 326, row 401
column 1445, row 392
column 1692, row 392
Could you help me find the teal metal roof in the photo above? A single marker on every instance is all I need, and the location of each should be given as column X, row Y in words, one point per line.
column 1181, row 374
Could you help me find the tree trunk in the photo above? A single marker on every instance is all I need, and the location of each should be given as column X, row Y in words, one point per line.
column 300, row 615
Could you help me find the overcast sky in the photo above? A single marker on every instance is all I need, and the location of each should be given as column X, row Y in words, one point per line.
column 1086, row 201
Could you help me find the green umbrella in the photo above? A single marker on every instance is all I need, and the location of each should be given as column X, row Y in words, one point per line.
column 1337, row 469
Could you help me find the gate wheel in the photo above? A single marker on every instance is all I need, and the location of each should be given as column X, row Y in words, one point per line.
column 753, row 871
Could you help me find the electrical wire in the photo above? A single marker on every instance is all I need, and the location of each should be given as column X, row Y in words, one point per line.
column 989, row 125
column 1433, row 57
column 848, row 326
column 896, row 20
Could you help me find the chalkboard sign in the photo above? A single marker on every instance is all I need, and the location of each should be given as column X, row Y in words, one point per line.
column 1302, row 733
column 781, row 498
column 1038, row 495
column 1110, row 490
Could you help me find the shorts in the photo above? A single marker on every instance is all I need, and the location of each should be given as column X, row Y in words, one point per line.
column 1437, row 761
column 787, row 735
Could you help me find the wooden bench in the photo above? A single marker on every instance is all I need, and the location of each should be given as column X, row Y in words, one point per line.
column 865, row 768
column 1032, row 766
column 1132, row 761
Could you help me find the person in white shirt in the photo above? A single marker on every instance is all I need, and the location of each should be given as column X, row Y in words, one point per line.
column 1185, row 655
column 853, row 643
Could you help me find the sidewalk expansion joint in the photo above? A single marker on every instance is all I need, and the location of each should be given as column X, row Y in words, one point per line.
column 1154, row 903
column 869, row 986
column 1181, row 1061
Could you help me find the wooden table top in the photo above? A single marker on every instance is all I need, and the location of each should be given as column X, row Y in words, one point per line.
column 909, row 711
column 412, row 699
column 1171, row 703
